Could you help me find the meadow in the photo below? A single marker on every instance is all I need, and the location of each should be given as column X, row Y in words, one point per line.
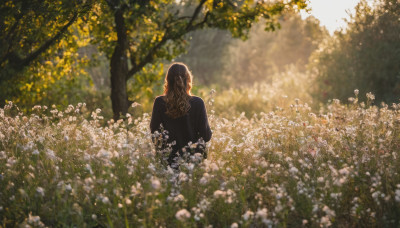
column 283, row 165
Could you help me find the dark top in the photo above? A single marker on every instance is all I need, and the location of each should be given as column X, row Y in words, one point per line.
column 188, row 128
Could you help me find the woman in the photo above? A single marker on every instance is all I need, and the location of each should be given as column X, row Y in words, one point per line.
column 180, row 115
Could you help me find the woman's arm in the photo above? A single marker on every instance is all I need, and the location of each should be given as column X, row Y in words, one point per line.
column 204, row 127
column 155, row 116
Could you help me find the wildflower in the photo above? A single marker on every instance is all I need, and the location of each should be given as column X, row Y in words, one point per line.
column 128, row 201
column 104, row 154
column 105, row 200
column 262, row 213
column 51, row 154
column 248, row 215
column 325, row 222
column 135, row 104
column 370, row 96
column 40, row 191
column 234, row 225
column 328, row 211
column 293, row 170
column 344, row 171
column 34, row 220
column 11, row 161
column 94, row 216
column 155, row 183
column 182, row 177
column 204, row 179
column 219, row 194
column 356, row 91
column 179, row 198
column 68, row 187
column 182, row 215
column 35, row 152
column 397, row 197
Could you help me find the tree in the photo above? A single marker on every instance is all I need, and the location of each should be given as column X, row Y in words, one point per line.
column 266, row 53
column 365, row 56
column 38, row 45
column 135, row 34
column 29, row 28
column 207, row 55
column 145, row 32
column 215, row 57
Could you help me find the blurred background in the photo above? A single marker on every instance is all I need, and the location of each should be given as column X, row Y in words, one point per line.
column 316, row 54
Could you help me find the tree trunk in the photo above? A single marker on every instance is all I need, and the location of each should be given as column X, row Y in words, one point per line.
column 119, row 69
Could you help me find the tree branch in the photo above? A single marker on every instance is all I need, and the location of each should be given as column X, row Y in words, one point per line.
column 150, row 55
column 148, row 58
column 27, row 60
column 195, row 14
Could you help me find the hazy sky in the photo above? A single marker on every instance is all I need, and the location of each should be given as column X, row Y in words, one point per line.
column 332, row 12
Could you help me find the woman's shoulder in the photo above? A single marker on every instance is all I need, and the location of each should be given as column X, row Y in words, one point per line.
column 159, row 101
column 196, row 99
column 160, row 98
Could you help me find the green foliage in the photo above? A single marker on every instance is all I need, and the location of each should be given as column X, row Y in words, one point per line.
column 217, row 58
column 264, row 96
column 139, row 34
column 39, row 58
column 207, row 54
column 265, row 54
column 366, row 56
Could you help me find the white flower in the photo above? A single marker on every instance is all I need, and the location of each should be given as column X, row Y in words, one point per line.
column 128, row 201
column 262, row 213
column 234, row 225
column 35, row 152
column 40, row 191
column 397, row 197
column 104, row 154
column 248, row 215
column 105, row 200
column 204, row 179
column 219, row 193
column 325, row 221
column 94, row 216
column 51, row 154
column 182, row 177
column 68, row 187
column 179, row 198
column 155, row 183
column 34, row 220
column 182, row 215
column 328, row 211
column 344, row 171
column 293, row 170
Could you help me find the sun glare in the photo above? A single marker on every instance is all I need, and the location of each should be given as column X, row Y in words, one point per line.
column 331, row 13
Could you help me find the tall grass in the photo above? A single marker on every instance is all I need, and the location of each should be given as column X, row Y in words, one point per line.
column 284, row 167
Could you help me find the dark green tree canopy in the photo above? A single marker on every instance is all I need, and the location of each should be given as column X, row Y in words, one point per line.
column 29, row 28
column 366, row 56
column 133, row 34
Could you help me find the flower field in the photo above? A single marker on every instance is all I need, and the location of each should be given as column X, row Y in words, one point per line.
column 289, row 167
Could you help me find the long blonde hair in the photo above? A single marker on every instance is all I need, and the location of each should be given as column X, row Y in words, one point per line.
column 177, row 90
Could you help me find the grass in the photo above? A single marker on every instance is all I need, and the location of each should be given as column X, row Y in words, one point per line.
column 285, row 166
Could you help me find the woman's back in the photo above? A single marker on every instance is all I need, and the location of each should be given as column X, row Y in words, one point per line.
column 182, row 115
column 184, row 129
